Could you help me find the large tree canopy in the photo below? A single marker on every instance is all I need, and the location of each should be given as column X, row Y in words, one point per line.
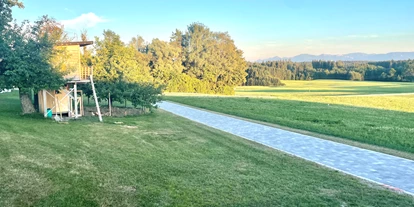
column 166, row 63
column 27, row 65
column 115, row 61
column 213, row 58
column 26, row 53
column 197, row 60
column 5, row 26
column 118, row 68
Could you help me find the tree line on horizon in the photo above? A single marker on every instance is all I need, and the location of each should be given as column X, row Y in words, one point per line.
column 271, row 73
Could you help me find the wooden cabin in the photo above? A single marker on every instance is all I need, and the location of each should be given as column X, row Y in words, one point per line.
column 74, row 69
column 57, row 101
column 68, row 101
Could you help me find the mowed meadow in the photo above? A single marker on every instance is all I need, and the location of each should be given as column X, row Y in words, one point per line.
column 160, row 159
column 383, row 95
column 374, row 113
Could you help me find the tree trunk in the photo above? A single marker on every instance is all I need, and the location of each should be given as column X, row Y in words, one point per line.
column 26, row 102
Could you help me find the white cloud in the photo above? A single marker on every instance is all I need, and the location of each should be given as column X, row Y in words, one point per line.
column 83, row 21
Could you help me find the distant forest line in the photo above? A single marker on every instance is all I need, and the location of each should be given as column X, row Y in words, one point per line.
column 271, row 73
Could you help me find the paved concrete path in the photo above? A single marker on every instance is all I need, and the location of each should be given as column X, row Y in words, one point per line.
column 373, row 166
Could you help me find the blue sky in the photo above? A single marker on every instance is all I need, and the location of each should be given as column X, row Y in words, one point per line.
column 260, row 28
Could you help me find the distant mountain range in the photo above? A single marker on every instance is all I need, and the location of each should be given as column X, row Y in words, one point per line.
column 346, row 57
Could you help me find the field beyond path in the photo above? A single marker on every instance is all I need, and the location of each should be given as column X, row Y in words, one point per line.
column 366, row 164
column 398, row 96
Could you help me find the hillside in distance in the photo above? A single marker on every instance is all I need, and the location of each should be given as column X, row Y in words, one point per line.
column 346, row 57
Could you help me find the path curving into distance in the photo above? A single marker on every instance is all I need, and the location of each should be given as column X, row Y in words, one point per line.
column 391, row 171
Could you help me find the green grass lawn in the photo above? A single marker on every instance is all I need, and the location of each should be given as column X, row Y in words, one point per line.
column 160, row 160
column 398, row 96
column 330, row 87
column 382, row 95
column 385, row 128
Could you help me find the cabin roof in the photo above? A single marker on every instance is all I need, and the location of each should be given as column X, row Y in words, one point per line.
column 81, row 44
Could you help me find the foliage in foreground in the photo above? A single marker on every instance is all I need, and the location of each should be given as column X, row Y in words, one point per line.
column 145, row 95
column 390, row 129
column 25, row 52
column 159, row 160
column 140, row 95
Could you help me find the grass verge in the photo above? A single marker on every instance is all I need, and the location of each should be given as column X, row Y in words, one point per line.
column 160, row 160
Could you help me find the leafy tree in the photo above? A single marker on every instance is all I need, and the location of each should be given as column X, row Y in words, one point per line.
column 409, row 71
column 114, row 61
column 165, row 62
column 177, row 38
column 116, row 65
column 6, row 14
column 355, row 76
column 213, row 58
column 5, row 30
column 114, row 89
column 26, row 62
column 144, row 95
column 139, row 44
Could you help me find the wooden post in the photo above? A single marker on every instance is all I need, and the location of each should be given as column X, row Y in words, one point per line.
column 109, row 104
column 70, row 106
column 75, row 88
column 58, row 107
column 81, row 104
column 96, row 98
column 60, row 110
column 44, row 103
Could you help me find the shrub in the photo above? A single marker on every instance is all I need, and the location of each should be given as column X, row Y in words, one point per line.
column 144, row 95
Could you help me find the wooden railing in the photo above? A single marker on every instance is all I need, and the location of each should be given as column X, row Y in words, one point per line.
column 85, row 72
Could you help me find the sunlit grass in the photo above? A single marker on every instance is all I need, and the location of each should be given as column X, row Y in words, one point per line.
column 397, row 96
column 382, row 95
column 399, row 103
column 327, row 86
column 159, row 160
